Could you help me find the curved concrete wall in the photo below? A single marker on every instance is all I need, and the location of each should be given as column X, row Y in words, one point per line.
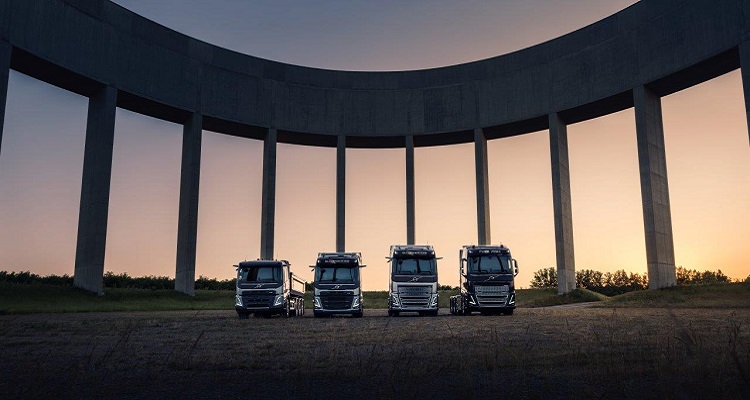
column 666, row 44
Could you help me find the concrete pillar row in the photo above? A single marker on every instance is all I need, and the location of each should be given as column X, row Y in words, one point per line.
column 410, row 207
column 657, row 217
column 341, row 193
column 563, row 214
column 95, row 182
column 187, row 224
column 268, row 205
column 744, row 50
column 482, row 186
column 5, row 53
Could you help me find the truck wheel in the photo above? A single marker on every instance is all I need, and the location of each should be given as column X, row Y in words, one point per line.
column 509, row 312
column 358, row 314
column 433, row 313
column 244, row 315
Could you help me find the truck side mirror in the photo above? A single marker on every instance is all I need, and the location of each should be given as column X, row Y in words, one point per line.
column 463, row 261
column 515, row 267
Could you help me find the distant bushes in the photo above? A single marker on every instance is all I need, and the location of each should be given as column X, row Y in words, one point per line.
column 113, row 280
column 619, row 282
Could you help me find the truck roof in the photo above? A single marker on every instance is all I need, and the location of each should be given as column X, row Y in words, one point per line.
column 486, row 249
column 412, row 250
column 340, row 258
column 262, row 263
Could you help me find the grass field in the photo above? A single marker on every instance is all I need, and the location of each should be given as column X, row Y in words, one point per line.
column 21, row 299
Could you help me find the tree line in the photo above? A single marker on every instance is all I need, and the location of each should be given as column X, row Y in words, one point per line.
column 620, row 281
column 112, row 280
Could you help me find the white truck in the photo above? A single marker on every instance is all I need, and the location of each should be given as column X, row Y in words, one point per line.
column 413, row 285
column 338, row 284
column 268, row 287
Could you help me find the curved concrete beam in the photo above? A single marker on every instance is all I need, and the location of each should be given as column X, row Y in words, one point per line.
column 83, row 45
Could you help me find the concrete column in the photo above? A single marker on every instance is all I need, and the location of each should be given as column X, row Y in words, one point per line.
column 97, row 172
column 187, row 225
column 341, row 194
column 410, row 219
column 268, row 206
column 558, row 145
column 5, row 52
column 745, row 68
column 652, row 161
column 483, row 187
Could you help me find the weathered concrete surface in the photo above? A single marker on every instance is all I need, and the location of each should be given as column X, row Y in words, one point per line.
column 5, row 52
column 670, row 44
column 341, row 194
column 566, row 263
column 187, row 224
column 483, row 187
column 268, row 201
column 652, row 162
column 97, row 173
column 410, row 199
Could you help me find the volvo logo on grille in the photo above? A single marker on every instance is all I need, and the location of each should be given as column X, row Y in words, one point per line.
column 258, row 286
column 415, row 279
column 491, row 278
column 337, row 287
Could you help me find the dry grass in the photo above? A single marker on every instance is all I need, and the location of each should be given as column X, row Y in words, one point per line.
column 537, row 353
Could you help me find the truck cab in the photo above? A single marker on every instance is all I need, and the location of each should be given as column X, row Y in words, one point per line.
column 414, row 280
column 486, row 281
column 268, row 287
column 337, row 285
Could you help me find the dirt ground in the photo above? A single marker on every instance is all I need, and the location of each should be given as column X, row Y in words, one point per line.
column 551, row 353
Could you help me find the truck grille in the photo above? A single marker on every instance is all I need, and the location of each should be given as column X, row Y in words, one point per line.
column 492, row 295
column 336, row 300
column 415, row 296
column 262, row 299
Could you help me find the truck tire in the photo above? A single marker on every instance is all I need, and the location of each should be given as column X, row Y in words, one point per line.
column 358, row 314
column 509, row 312
column 432, row 313
column 392, row 313
column 243, row 315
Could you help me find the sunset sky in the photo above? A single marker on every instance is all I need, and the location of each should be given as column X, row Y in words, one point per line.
column 706, row 135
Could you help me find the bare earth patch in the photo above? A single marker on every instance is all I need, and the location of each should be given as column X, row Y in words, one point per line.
column 569, row 352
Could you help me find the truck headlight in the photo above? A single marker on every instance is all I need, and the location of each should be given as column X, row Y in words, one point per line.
column 434, row 300
column 316, row 302
column 395, row 301
column 512, row 300
column 238, row 300
column 279, row 300
column 471, row 300
column 355, row 303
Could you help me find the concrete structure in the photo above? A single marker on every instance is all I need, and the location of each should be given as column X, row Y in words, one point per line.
column 558, row 145
column 97, row 174
column 187, row 223
column 268, row 201
column 649, row 50
column 483, row 187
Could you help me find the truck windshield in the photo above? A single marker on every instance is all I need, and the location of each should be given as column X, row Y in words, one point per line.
column 331, row 274
column 259, row 274
column 414, row 266
column 489, row 264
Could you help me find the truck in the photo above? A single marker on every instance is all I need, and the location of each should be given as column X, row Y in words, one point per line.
column 268, row 287
column 486, row 281
column 413, row 285
column 337, row 284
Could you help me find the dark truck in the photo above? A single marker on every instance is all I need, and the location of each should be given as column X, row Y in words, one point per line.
column 413, row 285
column 337, row 285
column 486, row 281
column 266, row 288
